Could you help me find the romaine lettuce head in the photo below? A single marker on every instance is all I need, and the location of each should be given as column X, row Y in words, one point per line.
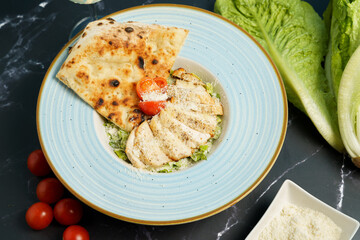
column 296, row 38
column 344, row 38
column 349, row 107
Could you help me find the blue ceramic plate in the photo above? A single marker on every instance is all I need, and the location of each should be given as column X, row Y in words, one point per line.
column 73, row 139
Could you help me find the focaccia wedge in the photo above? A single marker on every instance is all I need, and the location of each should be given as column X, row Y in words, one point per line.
column 110, row 57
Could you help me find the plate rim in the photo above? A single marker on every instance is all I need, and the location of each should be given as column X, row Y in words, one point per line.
column 200, row 216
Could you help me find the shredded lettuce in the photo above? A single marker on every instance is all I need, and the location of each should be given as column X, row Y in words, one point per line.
column 117, row 139
column 209, row 88
column 200, row 154
column 296, row 38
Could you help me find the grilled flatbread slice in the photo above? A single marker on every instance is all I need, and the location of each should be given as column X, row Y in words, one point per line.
column 108, row 60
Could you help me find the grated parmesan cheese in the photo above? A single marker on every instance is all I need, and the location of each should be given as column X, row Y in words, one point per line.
column 296, row 223
column 154, row 96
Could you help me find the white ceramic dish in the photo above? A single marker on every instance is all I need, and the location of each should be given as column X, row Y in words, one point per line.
column 293, row 194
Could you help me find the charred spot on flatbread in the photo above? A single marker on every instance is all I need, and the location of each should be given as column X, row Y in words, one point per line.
column 83, row 76
column 141, row 62
column 129, row 29
column 99, row 103
column 154, row 61
column 137, row 117
column 111, row 115
column 114, row 82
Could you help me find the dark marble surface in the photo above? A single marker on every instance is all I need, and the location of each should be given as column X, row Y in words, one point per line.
column 31, row 33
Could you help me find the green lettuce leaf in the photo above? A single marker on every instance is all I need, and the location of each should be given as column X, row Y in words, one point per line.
column 344, row 38
column 296, row 38
column 349, row 107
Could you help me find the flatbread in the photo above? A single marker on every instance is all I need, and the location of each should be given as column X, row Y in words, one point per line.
column 108, row 60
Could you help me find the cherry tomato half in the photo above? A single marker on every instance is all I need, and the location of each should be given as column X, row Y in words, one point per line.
column 147, row 85
column 68, row 211
column 76, row 232
column 39, row 215
column 37, row 163
column 49, row 190
column 152, row 107
column 161, row 82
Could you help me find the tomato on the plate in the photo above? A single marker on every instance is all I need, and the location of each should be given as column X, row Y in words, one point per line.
column 76, row 232
column 49, row 190
column 39, row 215
column 147, row 85
column 68, row 211
column 152, row 107
column 37, row 163
column 161, row 82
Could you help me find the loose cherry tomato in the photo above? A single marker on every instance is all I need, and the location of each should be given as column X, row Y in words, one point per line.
column 146, row 85
column 161, row 82
column 152, row 107
column 49, row 190
column 37, row 163
column 76, row 232
column 68, row 211
column 39, row 215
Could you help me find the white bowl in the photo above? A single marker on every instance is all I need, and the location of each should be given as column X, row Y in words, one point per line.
column 290, row 193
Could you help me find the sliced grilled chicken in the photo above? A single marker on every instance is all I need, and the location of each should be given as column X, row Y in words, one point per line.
column 212, row 109
column 152, row 155
column 201, row 122
column 187, row 122
column 180, row 73
column 168, row 142
column 133, row 152
column 187, row 135
column 185, row 91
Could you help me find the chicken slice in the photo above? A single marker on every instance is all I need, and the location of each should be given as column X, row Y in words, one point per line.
column 168, row 142
column 201, row 122
column 212, row 109
column 152, row 155
column 187, row 135
column 186, row 91
column 133, row 152
column 180, row 73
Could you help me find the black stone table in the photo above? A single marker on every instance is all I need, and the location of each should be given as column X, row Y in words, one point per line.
column 32, row 33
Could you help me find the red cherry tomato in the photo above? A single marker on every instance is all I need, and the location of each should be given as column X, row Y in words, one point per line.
column 146, row 85
column 37, row 163
column 49, row 190
column 68, row 211
column 39, row 215
column 152, row 107
column 161, row 82
column 76, row 232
